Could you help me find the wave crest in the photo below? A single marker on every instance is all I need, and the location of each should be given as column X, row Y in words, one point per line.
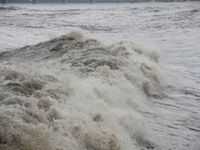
column 76, row 93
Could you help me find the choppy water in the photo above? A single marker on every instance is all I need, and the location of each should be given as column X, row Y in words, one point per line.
column 80, row 91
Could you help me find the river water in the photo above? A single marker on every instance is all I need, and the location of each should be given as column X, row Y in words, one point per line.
column 137, row 86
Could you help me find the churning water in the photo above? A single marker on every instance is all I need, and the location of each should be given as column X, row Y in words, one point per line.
column 74, row 92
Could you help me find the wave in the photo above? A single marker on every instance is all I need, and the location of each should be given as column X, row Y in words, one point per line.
column 8, row 8
column 75, row 93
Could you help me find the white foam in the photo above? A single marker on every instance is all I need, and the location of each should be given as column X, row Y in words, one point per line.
column 90, row 97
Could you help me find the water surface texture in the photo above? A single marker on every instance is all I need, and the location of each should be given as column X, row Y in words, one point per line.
column 100, row 76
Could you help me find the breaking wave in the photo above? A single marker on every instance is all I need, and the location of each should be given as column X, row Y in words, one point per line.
column 74, row 93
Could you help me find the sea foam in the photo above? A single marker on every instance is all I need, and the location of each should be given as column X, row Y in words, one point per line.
column 75, row 93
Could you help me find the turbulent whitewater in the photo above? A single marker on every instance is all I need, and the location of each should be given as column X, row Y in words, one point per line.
column 75, row 93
